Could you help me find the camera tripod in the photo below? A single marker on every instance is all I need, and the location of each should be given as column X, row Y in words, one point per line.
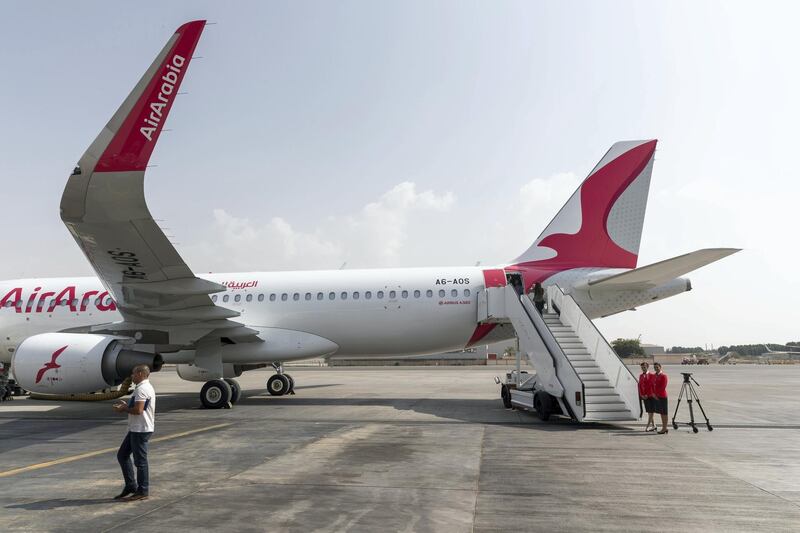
column 688, row 390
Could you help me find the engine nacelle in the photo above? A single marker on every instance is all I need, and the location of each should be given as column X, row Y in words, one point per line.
column 70, row 363
column 195, row 373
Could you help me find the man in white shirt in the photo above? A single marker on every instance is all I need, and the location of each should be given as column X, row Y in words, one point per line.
column 141, row 409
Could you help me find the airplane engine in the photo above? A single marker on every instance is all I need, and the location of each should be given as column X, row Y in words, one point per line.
column 71, row 363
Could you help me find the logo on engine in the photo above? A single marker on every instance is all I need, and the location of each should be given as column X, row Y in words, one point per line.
column 50, row 365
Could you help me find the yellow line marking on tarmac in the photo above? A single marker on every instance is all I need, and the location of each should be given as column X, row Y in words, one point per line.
column 71, row 458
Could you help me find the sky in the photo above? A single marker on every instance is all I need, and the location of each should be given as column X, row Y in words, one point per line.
column 394, row 134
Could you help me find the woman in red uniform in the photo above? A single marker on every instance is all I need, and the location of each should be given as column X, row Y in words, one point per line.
column 660, row 381
column 646, row 395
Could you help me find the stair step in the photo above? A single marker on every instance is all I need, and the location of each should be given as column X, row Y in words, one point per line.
column 609, row 417
column 575, row 351
column 605, row 407
column 579, row 357
column 583, row 364
column 594, row 388
column 594, row 378
column 601, row 398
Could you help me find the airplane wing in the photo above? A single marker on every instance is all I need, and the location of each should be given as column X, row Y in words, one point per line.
column 658, row 273
column 104, row 208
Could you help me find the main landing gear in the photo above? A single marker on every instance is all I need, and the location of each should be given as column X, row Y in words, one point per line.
column 280, row 383
column 220, row 393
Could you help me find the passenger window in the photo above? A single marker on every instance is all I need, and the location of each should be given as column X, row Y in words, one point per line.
column 331, row 295
column 429, row 293
column 454, row 293
column 466, row 292
column 392, row 295
column 308, row 296
column 249, row 298
column 404, row 294
column 260, row 297
column 368, row 295
column 237, row 298
column 296, row 296
column 74, row 303
column 320, row 296
column 416, row 294
column 272, row 297
column 284, row 297
column 225, row 298
column 214, row 298
column 380, row 295
column 344, row 296
column 355, row 295
column 441, row 293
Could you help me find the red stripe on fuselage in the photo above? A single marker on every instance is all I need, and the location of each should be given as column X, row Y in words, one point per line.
column 480, row 332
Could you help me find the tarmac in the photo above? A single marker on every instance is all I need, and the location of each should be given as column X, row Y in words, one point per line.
column 408, row 449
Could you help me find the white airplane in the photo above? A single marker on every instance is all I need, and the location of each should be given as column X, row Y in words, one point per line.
column 71, row 335
column 788, row 351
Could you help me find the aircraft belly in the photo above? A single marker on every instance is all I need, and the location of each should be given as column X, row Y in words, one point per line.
column 377, row 331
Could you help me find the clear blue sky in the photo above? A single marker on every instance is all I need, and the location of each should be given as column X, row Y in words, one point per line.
column 426, row 133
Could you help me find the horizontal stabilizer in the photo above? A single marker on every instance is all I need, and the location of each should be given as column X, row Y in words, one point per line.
column 659, row 273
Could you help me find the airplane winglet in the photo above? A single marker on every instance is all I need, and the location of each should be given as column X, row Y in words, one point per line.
column 137, row 124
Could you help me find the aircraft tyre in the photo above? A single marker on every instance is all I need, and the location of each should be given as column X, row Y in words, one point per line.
column 236, row 389
column 278, row 385
column 216, row 394
column 291, row 384
column 543, row 403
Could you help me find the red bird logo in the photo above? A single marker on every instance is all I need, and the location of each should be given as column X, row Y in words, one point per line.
column 49, row 365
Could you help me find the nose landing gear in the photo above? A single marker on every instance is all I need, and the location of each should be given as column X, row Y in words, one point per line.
column 280, row 383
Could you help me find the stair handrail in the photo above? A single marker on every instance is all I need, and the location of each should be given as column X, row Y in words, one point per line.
column 553, row 347
column 621, row 374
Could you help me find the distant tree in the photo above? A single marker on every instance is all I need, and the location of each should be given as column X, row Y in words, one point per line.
column 510, row 352
column 628, row 347
column 685, row 349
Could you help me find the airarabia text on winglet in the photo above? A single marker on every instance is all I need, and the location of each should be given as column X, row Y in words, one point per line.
column 164, row 94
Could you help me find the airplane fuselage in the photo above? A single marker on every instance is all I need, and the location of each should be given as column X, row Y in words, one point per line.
column 364, row 312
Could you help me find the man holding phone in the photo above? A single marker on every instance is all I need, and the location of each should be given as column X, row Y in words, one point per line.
column 141, row 410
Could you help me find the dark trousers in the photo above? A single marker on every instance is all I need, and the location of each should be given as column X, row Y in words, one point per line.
column 136, row 444
column 539, row 306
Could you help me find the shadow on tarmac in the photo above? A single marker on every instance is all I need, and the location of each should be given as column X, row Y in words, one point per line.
column 27, row 428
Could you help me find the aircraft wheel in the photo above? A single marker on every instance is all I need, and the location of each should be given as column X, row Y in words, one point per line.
column 236, row 389
column 278, row 385
column 291, row 384
column 216, row 394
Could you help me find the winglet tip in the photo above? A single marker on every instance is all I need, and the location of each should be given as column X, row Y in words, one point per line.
column 192, row 24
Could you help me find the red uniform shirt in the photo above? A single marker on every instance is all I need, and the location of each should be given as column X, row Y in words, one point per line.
column 646, row 385
column 660, row 385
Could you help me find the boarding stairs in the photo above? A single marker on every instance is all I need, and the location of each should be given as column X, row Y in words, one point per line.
column 574, row 363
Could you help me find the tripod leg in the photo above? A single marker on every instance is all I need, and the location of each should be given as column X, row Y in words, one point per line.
column 697, row 398
column 675, row 414
column 691, row 413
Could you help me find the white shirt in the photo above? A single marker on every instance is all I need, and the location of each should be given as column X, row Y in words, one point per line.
column 145, row 422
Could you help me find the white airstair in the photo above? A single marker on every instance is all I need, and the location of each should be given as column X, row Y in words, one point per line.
column 578, row 374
